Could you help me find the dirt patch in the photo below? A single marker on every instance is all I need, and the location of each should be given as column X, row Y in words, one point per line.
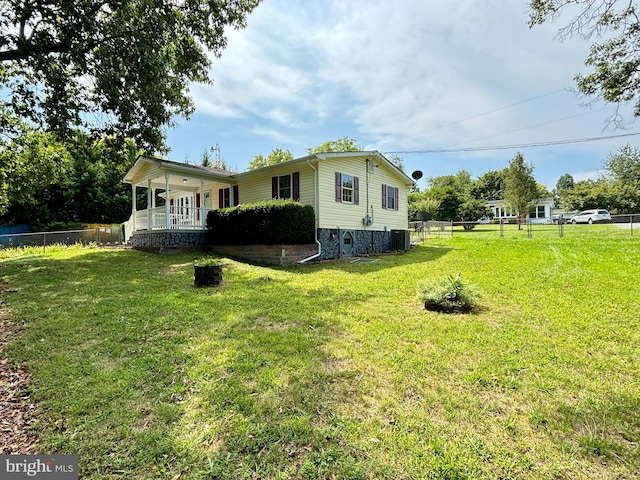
column 16, row 411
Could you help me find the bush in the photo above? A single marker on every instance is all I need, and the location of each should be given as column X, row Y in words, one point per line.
column 447, row 294
column 274, row 222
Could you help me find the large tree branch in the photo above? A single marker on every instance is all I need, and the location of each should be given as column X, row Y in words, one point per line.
column 17, row 54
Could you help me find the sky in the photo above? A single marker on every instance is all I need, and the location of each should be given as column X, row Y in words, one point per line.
column 404, row 77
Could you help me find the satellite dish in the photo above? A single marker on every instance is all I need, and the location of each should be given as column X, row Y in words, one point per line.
column 416, row 175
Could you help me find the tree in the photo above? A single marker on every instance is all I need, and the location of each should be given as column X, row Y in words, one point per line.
column 344, row 144
column 29, row 163
column 127, row 65
column 89, row 189
column 489, row 185
column 460, row 181
column 624, row 165
column 397, row 161
column 565, row 182
column 520, row 187
column 616, row 60
column 277, row 155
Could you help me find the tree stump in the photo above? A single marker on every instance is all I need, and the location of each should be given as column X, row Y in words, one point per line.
column 207, row 275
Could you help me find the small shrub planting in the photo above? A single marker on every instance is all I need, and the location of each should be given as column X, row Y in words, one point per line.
column 447, row 294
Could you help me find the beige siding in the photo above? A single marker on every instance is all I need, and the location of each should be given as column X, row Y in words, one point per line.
column 349, row 216
column 257, row 187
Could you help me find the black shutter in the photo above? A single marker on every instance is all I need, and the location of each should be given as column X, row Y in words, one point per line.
column 274, row 187
column 356, row 191
column 338, row 187
column 295, row 178
column 384, row 196
column 236, row 197
column 395, row 197
column 221, row 198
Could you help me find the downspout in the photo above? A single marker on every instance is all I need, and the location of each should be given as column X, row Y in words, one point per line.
column 315, row 209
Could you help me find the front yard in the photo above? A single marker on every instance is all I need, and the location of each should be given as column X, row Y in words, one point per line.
column 335, row 370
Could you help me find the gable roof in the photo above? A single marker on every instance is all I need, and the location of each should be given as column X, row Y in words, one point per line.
column 199, row 171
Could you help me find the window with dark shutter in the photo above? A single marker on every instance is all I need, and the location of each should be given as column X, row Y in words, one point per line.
column 296, row 186
column 236, row 196
column 356, row 191
column 338, row 187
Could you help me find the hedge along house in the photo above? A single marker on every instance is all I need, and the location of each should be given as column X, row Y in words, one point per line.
column 359, row 200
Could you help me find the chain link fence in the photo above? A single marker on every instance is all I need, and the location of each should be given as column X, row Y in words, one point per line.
column 422, row 230
column 99, row 236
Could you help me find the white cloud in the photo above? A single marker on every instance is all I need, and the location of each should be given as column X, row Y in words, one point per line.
column 403, row 75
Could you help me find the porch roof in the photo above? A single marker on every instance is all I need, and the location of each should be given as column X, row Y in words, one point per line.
column 154, row 169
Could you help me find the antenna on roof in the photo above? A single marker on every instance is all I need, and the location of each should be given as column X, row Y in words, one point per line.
column 216, row 149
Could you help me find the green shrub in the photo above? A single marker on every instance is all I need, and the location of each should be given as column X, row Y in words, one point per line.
column 207, row 262
column 273, row 222
column 447, row 294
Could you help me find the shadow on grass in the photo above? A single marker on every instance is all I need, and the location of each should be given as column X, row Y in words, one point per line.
column 141, row 374
column 418, row 255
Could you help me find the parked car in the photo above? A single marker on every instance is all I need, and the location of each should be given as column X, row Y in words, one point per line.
column 591, row 216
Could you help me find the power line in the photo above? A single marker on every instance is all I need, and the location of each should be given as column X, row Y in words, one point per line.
column 473, row 117
column 521, row 145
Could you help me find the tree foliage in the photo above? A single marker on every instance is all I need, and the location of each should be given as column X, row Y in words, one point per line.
column 344, row 144
column 615, row 60
column 277, row 155
column 624, row 165
column 565, row 182
column 489, row 185
column 89, row 189
column 124, row 67
column 520, row 187
column 29, row 163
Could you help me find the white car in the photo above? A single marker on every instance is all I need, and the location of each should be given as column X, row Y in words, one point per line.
column 590, row 216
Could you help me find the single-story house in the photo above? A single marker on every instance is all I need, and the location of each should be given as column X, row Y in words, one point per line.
column 359, row 199
column 540, row 211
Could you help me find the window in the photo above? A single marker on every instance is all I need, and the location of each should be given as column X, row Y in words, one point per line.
column 347, row 188
column 286, row 186
column 389, row 197
column 538, row 212
column 224, row 197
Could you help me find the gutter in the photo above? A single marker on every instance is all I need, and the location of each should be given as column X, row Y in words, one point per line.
column 315, row 194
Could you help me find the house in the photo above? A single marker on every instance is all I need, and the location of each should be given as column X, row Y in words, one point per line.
column 540, row 211
column 359, row 199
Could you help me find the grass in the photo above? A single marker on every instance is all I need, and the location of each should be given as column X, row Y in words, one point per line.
column 336, row 370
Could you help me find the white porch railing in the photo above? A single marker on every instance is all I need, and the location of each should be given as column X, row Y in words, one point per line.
column 186, row 218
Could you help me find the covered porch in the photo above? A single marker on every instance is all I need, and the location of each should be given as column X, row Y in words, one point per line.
column 178, row 195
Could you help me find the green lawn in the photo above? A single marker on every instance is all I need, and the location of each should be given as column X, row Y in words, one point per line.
column 335, row 370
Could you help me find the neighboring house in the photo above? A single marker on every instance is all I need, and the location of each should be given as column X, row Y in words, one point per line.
column 540, row 211
column 359, row 199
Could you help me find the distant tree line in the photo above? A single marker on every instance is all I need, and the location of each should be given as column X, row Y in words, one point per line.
column 617, row 189
column 458, row 197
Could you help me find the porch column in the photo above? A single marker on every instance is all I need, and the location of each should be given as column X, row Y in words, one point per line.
column 203, row 208
column 133, row 206
column 166, row 201
column 149, row 222
column 153, row 198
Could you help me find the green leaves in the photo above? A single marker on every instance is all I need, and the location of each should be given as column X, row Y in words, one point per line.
column 615, row 61
column 122, row 67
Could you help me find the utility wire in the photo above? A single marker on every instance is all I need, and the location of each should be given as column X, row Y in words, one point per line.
column 521, row 145
column 473, row 117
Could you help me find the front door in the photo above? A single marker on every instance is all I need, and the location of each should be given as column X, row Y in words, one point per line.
column 347, row 243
